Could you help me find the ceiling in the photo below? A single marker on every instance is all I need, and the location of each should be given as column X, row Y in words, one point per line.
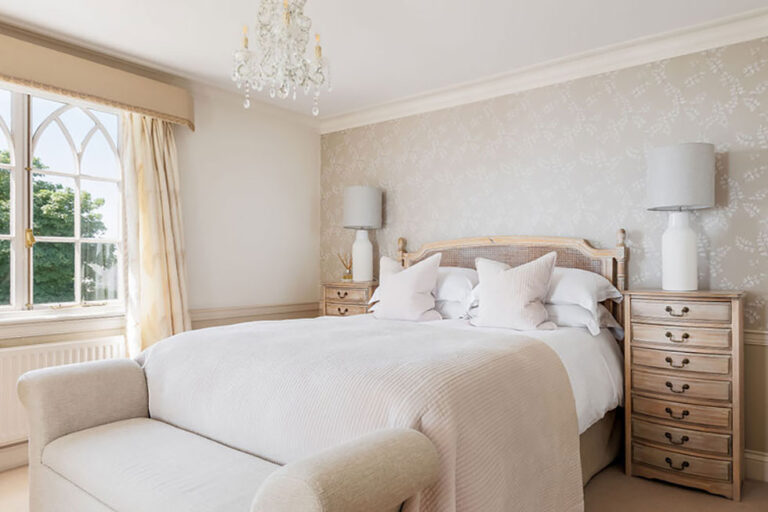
column 379, row 51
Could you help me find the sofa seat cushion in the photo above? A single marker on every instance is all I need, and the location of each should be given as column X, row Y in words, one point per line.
column 147, row 465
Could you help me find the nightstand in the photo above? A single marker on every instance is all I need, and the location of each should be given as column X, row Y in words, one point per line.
column 347, row 298
column 684, row 378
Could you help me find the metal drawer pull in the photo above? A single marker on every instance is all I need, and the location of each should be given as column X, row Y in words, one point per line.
column 671, row 387
column 341, row 295
column 346, row 310
column 682, row 312
column 681, row 417
column 682, row 339
column 682, row 440
column 679, row 468
column 681, row 365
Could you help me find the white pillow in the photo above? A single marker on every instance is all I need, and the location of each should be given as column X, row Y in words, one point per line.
column 455, row 284
column 451, row 309
column 406, row 294
column 512, row 297
column 581, row 287
column 571, row 315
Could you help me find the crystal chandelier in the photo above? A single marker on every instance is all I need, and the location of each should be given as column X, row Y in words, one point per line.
column 279, row 62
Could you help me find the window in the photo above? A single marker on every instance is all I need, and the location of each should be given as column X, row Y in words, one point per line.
column 60, row 204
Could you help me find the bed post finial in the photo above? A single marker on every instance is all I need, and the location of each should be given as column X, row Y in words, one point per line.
column 621, row 237
column 401, row 251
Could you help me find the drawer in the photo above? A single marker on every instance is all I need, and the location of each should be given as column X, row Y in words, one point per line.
column 681, row 311
column 679, row 463
column 681, row 387
column 335, row 309
column 683, row 414
column 681, row 362
column 681, row 337
column 682, row 438
column 344, row 294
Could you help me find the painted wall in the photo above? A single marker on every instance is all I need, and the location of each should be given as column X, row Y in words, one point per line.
column 569, row 160
column 250, row 199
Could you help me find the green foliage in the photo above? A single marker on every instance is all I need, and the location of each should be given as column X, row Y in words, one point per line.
column 54, row 263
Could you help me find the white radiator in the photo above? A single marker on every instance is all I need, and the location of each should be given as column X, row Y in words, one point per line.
column 18, row 360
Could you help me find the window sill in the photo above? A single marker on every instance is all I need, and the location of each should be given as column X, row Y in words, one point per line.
column 27, row 327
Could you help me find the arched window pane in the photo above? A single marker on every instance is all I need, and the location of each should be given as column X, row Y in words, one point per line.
column 110, row 123
column 99, row 159
column 41, row 109
column 100, row 209
column 53, row 151
column 5, row 107
column 53, row 212
column 78, row 124
column 5, row 149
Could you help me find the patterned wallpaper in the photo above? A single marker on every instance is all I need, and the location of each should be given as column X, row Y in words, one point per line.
column 568, row 160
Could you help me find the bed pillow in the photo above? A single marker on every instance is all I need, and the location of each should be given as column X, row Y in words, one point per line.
column 450, row 309
column 512, row 297
column 580, row 287
column 571, row 315
column 455, row 284
column 406, row 294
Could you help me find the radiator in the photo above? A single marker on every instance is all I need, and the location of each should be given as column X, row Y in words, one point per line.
column 18, row 360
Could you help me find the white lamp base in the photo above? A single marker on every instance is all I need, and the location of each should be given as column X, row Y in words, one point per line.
column 679, row 261
column 362, row 257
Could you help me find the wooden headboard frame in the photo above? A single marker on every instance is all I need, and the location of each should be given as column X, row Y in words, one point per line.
column 516, row 250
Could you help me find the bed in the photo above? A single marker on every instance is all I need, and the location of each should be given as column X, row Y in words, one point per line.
column 521, row 420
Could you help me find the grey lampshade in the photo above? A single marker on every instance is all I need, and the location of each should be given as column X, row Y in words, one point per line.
column 362, row 207
column 681, row 177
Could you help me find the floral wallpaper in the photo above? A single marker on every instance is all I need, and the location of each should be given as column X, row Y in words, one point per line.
column 568, row 160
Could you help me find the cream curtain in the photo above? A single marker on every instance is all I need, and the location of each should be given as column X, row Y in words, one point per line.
column 155, row 269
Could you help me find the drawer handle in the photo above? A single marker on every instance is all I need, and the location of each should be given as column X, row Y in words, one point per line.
column 672, row 415
column 681, row 467
column 342, row 312
column 682, row 312
column 682, row 440
column 673, row 365
column 341, row 295
column 671, row 387
column 682, row 339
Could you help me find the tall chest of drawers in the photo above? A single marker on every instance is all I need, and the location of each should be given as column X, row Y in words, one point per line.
column 683, row 361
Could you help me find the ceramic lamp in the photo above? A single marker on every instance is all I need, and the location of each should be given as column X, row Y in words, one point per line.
column 680, row 178
column 362, row 211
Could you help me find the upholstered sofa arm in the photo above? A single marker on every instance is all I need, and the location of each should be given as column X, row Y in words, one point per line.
column 64, row 399
column 375, row 473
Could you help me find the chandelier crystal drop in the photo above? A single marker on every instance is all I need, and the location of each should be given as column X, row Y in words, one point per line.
column 279, row 62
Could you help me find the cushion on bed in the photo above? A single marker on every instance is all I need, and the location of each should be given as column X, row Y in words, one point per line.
column 512, row 297
column 406, row 294
column 581, row 287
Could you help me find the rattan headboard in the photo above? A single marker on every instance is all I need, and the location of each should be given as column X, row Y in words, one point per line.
column 516, row 250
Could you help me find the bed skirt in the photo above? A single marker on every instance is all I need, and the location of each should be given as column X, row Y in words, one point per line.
column 600, row 444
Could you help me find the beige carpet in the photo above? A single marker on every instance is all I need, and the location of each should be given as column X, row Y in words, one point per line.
column 610, row 491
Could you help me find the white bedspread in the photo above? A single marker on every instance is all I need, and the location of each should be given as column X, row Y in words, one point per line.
column 595, row 366
column 497, row 405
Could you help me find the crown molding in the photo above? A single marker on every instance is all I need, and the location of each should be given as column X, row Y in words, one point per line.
column 722, row 32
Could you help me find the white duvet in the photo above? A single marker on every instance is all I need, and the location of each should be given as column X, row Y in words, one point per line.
column 595, row 365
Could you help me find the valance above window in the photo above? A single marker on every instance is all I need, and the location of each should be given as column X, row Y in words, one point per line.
column 28, row 64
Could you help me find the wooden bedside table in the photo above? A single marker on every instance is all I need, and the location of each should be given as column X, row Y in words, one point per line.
column 684, row 378
column 347, row 298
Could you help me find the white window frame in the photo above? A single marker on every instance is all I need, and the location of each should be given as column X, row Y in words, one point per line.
column 22, row 141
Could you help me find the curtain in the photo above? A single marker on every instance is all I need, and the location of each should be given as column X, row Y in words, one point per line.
column 155, row 273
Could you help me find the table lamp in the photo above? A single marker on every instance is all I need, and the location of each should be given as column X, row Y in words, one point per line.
column 680, row 178
column 362, row 211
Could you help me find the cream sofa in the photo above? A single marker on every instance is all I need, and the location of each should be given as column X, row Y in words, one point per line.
column 93, row 447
